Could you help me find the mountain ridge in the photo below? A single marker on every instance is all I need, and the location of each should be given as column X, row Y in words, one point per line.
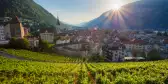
column 30, row 13
column 144, row 14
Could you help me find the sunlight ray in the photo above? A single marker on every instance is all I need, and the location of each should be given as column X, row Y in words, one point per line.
column 122, row 22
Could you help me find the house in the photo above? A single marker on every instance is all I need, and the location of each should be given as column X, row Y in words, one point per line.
column 95, row 48
column 138, row 45
column 2, row 33
column 26, row 31
column 114, row 52
column 73, row 49
column 7, row 31
column 16, row 28
column 134, row 58
column 34, row 42
column 164, row 46
column 63, row 41
column 47, row 34
column 13, row 28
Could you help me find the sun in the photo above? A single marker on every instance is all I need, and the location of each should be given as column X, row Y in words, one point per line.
column 116, row 7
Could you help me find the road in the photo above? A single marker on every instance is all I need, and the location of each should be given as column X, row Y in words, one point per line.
column 4, row 54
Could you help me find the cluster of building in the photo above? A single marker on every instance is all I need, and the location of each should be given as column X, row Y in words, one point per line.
column 9, row 29
column 114, row 45
column 12, row 27
column 86, row 42
column 129, row 45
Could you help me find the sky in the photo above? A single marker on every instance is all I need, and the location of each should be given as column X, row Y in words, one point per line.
column 79, row 11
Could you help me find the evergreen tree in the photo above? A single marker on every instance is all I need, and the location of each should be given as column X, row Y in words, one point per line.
column 154, row 55
column 13, row 43
column 18, row 43
column 159, row 33
column 23, row 43
column 165, row 33
column 43, row 45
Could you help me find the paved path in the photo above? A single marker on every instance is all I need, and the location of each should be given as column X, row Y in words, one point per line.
column 4, row 54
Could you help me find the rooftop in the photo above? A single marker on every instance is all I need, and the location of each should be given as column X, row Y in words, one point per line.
column 49, row 30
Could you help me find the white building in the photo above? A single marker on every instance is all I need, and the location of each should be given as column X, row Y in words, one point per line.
column 2, row 33
column 11, row 28
column 47, row 35
column 138, row 45
column 63, row 41
column 114, row 52
column 34, row 42
column 7, row 31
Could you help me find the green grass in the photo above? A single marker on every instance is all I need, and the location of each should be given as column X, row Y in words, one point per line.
column 29, row 72
column 41, row 56
column 51, row 45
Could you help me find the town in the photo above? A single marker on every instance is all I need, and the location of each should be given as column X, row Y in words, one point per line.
column 113, row 45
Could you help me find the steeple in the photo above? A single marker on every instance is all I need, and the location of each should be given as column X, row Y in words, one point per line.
column 58, row 22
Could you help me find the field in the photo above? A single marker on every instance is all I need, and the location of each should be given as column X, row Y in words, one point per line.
column 31, row 72
column 36, row 56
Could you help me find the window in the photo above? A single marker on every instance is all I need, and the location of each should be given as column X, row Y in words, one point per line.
column 1, row 31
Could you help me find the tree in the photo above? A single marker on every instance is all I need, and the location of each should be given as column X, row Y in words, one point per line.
column 18, row 43
column 143, row 55
column 154, row 55
column 13, row 43
column 56, row 38
column 165, row 33
column 97, row 58
column 23, row 43
column 43, row 45
column 159, row 33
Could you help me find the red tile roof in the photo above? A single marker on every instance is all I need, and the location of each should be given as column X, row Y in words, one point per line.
column 165, row 41
column 49, row 30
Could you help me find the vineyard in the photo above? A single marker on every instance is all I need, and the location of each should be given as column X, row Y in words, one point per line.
column 31, row 72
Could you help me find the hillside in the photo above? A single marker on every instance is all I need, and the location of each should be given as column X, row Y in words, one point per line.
column 144, row 14
column 28, row 11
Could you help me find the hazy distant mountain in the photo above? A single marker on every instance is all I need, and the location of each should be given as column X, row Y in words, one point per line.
column 144, row 14
column 82, row 24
